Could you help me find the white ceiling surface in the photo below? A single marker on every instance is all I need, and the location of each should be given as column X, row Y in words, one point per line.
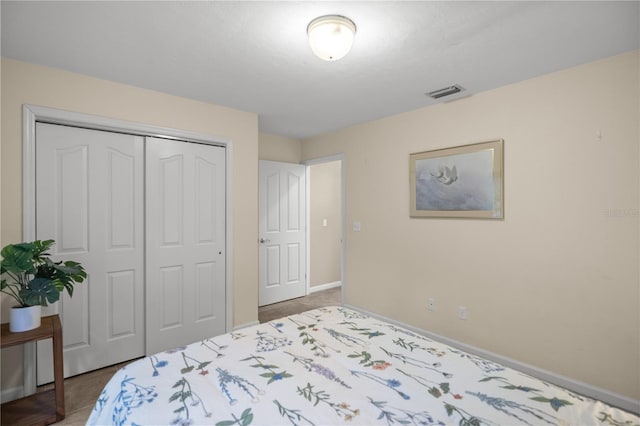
column 254, row 56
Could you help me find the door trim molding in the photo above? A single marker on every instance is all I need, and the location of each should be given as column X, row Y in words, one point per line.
column 33, row 113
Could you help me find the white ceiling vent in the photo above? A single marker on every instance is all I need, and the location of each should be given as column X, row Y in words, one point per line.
column 447, row 91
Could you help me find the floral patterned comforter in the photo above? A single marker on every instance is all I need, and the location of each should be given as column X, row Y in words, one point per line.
column 335, row 366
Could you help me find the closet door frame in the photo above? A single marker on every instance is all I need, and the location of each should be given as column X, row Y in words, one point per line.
column 32, row 114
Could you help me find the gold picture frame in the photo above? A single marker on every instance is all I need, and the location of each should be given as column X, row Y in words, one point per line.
column 460, row 182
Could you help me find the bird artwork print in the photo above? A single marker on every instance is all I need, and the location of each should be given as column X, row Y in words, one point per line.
column 446, row 175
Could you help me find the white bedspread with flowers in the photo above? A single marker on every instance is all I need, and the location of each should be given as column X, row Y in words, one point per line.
column 334, row 366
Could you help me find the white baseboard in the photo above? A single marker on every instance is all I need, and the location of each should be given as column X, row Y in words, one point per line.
column 577, row 386
column 10, row 394
column 324, row 286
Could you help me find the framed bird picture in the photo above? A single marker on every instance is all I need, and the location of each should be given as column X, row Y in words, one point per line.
column 459, row 182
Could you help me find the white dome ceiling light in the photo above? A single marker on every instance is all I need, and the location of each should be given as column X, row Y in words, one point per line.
column 331, row 36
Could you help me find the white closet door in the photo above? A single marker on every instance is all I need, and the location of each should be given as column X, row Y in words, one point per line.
column 89, row 199
column 185, row 240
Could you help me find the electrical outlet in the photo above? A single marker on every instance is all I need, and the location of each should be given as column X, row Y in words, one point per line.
column 431, row 304
column 463, row 314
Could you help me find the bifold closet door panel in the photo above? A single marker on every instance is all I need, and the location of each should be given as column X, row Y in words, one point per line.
column 185, row 242
column 89, row 199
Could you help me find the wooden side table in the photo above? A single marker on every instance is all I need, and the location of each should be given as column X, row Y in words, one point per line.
column 41, row 408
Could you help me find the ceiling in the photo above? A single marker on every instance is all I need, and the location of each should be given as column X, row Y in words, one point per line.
column 254, row 56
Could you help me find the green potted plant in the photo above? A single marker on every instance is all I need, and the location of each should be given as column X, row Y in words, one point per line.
column 34, row 280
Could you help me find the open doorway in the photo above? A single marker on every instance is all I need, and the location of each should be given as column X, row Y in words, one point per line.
column 325, row 225
column 325, row 235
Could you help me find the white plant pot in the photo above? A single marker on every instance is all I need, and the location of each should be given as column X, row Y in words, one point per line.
column 25, row 319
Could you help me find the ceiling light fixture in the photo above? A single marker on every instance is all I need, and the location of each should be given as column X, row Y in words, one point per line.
column 331, row 36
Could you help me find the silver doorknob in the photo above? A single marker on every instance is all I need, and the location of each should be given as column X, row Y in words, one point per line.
column 264, row 240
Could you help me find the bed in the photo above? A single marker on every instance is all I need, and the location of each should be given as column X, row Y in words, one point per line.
column 333, row 366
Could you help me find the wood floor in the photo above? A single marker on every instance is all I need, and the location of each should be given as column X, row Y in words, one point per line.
column 81, row 392
column 318, row 299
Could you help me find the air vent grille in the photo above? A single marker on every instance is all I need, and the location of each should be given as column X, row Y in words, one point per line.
column 447, row 91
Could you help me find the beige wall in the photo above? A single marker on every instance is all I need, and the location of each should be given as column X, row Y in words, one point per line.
column 556, row 283
column 325, row 201
column 279, row 148
column 25, row 83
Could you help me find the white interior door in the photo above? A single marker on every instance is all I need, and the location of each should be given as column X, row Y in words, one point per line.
column 185, row 271
column 89, row 200
column 282, row 231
